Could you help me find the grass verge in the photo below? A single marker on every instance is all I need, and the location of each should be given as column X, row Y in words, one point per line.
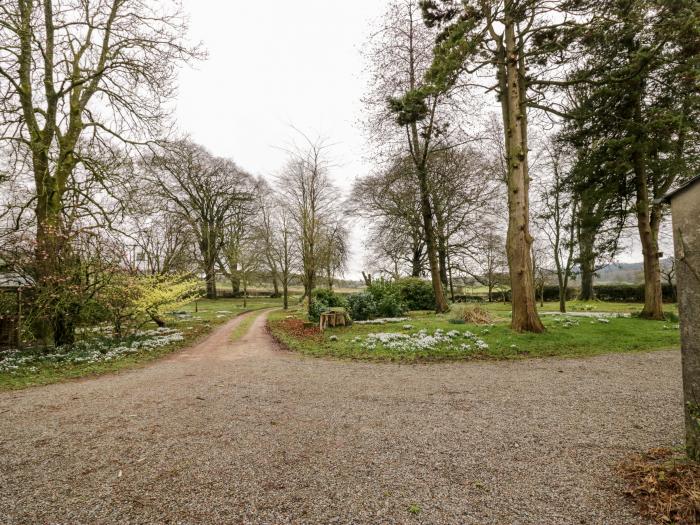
column 564, row 337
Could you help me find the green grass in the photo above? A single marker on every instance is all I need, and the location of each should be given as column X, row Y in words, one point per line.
column 205, row 316
column 243, row 326
column 586, row 337
column 500, row 308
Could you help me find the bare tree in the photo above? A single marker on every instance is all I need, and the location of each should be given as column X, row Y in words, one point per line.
column 557, row 220
column 485, row 260
column 284, row 248
column 389, row 202
column 204, row 191
column 333, row 250
column 309, row 194
column 161, row 243
column 409, row 126
column 76, row 76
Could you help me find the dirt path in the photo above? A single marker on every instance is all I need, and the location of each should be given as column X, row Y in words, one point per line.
column 245, row 433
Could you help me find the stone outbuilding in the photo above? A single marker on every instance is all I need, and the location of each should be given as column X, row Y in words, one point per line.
column 12, row 286
column 685, row 210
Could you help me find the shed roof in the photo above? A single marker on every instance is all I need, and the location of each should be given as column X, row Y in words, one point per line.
column 669, row 196
column 12, row 281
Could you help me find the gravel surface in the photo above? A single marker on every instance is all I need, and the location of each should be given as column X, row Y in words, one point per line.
column 247, row 433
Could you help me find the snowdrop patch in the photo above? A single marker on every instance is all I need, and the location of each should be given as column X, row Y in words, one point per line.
column 420, row 341
column 92, row 351
column 384, row 320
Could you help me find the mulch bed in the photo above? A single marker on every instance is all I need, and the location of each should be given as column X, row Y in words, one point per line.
column 665, row 485
column 300, row 329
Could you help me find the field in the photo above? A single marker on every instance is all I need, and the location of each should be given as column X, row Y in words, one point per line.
column 425, row 336
column 97, row 353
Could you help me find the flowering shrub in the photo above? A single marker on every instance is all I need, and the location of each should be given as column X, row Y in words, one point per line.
column 90, row 351
column 421, row 340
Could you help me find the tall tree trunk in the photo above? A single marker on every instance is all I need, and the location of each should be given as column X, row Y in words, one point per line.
column 449, row 277
column 562, row 294
column 518, row 239
column 52, row 261
column 208, row 252
column 275, row 285
column 416, row 262
column 442, row 248
column 648, row 226
column 210, row 278
column 648, row 233
column 587, row 265
column 285, row 291
column 329, row 278
column 430, row 242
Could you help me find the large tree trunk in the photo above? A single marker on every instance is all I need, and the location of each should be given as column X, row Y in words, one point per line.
column 653, row 298
column 648, row 225
column 208, row 253
column 430, row 242
column 52, row 259
column 235, row 285
column 285, row 291
column 586, row 234
column 518, row 239
column 210, row 278
column 416, row 262
column 275, row 285
column 563, row 288
column 442, row 249
column 586, row 242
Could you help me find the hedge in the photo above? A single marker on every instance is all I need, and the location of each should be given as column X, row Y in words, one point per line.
column 620, row 293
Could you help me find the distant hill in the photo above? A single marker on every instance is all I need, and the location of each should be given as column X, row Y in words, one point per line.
column 631, row 273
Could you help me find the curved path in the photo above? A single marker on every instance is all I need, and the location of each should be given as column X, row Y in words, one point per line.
column 247, row 433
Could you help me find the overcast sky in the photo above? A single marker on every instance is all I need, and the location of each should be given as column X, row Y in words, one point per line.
column 275, row 64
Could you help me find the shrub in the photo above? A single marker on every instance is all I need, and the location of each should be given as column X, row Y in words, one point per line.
column 362, row 306
column 387, row 296
column 323, row 300
column 329, row 298
column 469, row 299
column 416, row 293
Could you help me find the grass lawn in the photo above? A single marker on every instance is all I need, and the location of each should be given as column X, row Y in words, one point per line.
column 565, row 336
column 503, row 309
column 199, row 320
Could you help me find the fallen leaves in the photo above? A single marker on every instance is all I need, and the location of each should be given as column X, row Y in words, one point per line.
column 665, row 486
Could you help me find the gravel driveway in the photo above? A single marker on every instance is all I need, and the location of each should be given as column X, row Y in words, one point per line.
column 246, row 433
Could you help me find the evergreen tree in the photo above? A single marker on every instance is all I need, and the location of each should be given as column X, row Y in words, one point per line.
column 640, row 113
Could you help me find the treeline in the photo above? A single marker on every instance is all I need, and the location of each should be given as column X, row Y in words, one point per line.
column 105, row 215
column 460, row 193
